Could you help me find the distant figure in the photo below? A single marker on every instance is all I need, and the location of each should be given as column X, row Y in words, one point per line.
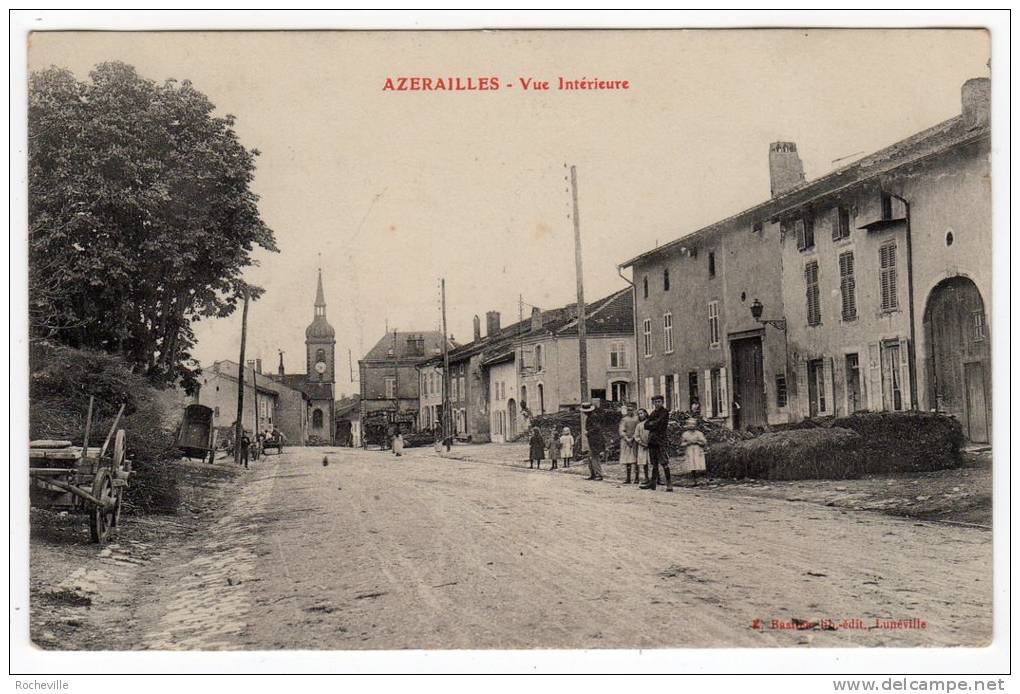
column 694, row 444
column 554, row 449
column 641, row 439
column 696, row 409
column 567, row 446
column 537, row 452
column 398, row 444
column 596, row 441
column 245, row 448
column 628, row 442
column 657, row 425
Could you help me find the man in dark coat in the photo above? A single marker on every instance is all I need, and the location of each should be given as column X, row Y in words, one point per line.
column 596, row 441
column 657, row 425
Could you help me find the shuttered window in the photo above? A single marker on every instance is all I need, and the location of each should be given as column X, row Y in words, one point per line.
column 667, row 333
column 648, row 337
column 805, row 231
column 848, row 285
column 814, row 306
column 713, row 323
column 887, row 274
column 841, row 223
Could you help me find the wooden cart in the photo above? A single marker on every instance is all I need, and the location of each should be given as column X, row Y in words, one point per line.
column 197, row 435
column 86, row 479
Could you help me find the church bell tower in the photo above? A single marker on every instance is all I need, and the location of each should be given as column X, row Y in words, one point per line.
column 320, row 343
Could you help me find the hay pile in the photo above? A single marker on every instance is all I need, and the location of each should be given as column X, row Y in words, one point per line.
column 61, row 380
column 608, row 422
column 907, row 441
column 819, row 453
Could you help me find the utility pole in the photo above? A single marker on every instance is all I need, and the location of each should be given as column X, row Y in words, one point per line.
column 239, row 425
column 582, row 345
column 447, row 405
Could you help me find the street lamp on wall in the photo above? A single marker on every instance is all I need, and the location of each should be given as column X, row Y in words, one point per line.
column 756, row 311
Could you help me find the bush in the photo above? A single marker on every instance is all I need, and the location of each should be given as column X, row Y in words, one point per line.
column 820, row 453
column 61, row 380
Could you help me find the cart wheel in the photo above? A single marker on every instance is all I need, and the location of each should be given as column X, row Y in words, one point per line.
column 102, row 518
column 119, row 449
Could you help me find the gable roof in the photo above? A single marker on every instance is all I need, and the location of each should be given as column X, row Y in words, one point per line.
column 225, row 368
column 919, row 146
column 608, row 315
column 433, row 343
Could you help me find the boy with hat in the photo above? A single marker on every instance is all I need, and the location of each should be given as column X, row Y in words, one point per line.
column 596, row 441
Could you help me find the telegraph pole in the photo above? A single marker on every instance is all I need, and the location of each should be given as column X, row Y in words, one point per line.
column 582, row 345
column 239, row 425
column 447, row 405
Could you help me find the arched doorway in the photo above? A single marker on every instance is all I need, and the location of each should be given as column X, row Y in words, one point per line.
column 958, row 356
column 511, row 407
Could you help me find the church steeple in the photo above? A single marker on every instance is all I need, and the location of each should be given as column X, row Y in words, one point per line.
column 320, row 298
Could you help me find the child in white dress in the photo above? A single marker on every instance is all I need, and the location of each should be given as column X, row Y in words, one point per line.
column 567, row 447
column 694, row 444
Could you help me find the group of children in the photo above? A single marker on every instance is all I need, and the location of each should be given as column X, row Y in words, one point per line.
column 635, row 448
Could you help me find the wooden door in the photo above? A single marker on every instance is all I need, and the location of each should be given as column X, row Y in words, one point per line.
column 748, row 383
column 977, row 403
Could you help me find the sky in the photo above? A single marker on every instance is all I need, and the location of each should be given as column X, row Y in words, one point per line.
column 390, row 191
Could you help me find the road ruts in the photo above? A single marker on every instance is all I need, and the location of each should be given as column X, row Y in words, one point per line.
column 205, row 600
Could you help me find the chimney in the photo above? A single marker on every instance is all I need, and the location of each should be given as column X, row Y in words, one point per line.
column 536, row 318
column 785, row 168
column 491, row 323
column 279, row 369
column 478, row 328
column 258, row 366
column 251, row 364
column 975, row 97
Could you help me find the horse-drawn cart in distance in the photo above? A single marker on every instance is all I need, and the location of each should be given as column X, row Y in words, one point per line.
column 197, row 435
column 82, row 478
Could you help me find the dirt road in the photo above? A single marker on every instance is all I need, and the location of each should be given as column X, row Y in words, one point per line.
column 376, row 552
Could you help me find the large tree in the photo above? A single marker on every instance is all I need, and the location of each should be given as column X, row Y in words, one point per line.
column 141, row 216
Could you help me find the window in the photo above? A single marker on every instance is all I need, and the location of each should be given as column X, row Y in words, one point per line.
column 713, row 323
column 317, row 418
column 648, row 337
column 667, row 333
column 780, row 390
column 665, row 280
column 892, row 376
column 538, row 357
column 847, row 285
column 853, row 383
column 541, row 399
column 618, row 391
column 814, row 306
column 524, row 397
column 646, row 287
column 669, row 393
column 979, row 326
column 887, row 275
column 887, row 206
column 618, row 355
column 718, row 406
column 391, row 387
column 757, row 228
column 841, row 223
column 692, row 389
column 816, row 387
column 461, row 388
column 805, row 231
column 711, row 264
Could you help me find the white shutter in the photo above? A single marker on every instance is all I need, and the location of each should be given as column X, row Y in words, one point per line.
column 527, row 357
column 803, row 405
column 662, row 386
column 839, row 384
column 874, row 377
column 707, row 406
column 905, row 372
column 827, row 377
column 724, row 393
column 649, row 391
column 676, row 392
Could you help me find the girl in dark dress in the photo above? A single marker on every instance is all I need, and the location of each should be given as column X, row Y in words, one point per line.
column 537, row 449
